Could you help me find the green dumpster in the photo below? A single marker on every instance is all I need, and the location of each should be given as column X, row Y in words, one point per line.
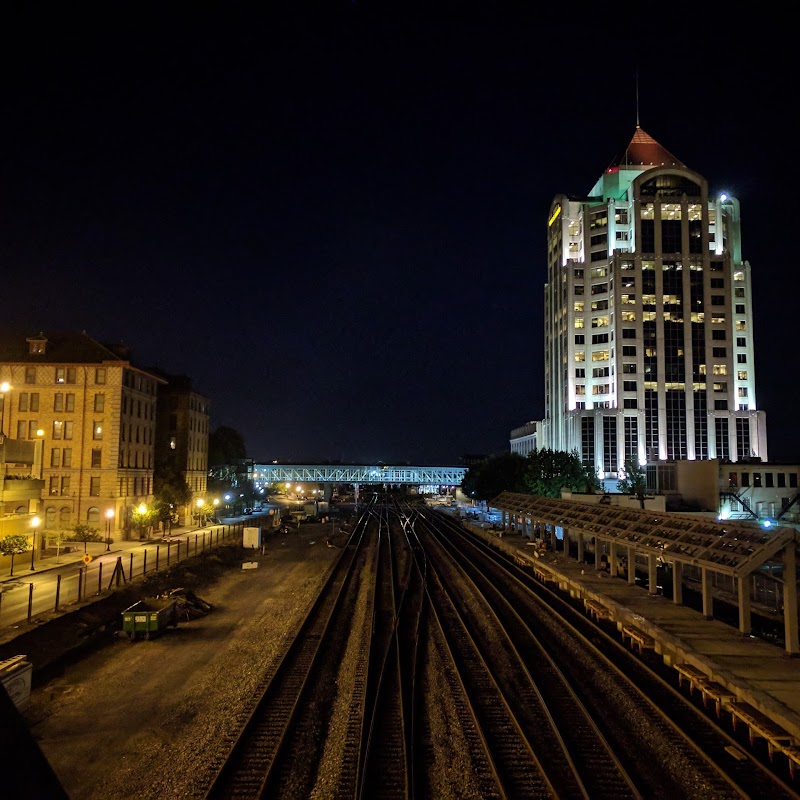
column 149, row 618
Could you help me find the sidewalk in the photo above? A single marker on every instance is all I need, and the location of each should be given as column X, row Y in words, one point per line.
column 50, row 561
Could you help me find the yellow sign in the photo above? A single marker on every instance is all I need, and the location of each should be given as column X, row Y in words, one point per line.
column 87, row 558
column 554, row 217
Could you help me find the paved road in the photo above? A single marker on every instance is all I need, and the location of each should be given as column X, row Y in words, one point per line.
column 57, row 581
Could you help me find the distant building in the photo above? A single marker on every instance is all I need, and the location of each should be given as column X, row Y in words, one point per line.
column 182, row 426
column 93, row 412
column 524, row 440
column 746, row 490
column 648, row 316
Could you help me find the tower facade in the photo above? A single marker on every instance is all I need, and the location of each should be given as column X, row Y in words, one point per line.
column 648, row 320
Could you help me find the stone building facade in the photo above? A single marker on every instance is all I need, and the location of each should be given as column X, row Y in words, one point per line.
column 92, row 412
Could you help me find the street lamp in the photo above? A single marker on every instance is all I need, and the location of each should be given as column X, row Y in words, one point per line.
column 40, row 434
column 36, row 522
column 5, row 386
column 109, row 517
column 200, row 504
column 140, row 523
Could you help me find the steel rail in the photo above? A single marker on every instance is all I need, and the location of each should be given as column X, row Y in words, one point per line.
column 246, row 766
column 705, row 742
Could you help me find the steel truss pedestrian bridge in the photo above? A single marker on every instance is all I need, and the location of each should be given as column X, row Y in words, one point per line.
column 351, row 473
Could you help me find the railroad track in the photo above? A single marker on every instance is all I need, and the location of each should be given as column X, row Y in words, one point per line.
column 386, row 768
column 607, row 675
column 252, row 765
column 424, row 629
column 590, row 767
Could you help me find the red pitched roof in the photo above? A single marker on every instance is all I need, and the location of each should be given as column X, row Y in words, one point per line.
column 643, row 150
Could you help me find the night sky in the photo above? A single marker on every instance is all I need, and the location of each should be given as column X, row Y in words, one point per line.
column 334, row 220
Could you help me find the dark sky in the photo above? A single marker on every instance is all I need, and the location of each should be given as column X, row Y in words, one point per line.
column 334, row 221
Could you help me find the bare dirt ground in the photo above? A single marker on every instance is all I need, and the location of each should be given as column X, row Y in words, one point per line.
column 139, row 719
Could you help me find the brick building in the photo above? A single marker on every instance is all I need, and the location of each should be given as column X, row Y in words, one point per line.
column 93, row 412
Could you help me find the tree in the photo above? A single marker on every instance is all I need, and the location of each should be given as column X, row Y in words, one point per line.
column 170, row 492
column 165, row 512
column 204, row 512
column 13, row 545
column 225, row 446
column 495, row 475
column 634, row 482
column 58, row 538
column 143, row 519
column 169, row 484
column 81, row 532
column 549, row 471
column 543, row 473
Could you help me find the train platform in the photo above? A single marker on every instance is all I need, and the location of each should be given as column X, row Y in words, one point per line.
column 753, row 680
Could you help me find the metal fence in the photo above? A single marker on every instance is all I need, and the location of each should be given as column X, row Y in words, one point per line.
column 23, row 599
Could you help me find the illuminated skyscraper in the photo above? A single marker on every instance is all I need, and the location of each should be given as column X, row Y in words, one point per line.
column 648, row 319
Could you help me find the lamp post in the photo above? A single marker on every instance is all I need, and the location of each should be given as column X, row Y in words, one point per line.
column 216, row 505
column 40, row 434
column 142, row 511
column 109, row 517
column 200, row 504
column 36, row 522
column 5, row 387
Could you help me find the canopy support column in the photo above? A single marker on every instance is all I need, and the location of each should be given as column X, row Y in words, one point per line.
column 745, row 617
column 790, row 599
column 677, row 583
column 652, row 574
column 708, row 600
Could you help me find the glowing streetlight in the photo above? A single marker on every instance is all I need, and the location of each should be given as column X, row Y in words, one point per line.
column 109, row 517
column 40, row 435
column 35, row 522
column 200, row 504
column 140, row 521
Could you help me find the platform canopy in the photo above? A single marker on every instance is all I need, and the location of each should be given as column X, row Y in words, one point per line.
column 733, row 548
